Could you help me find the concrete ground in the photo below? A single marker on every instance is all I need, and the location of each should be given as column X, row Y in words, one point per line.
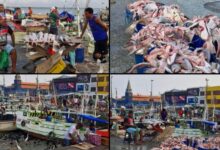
column 119, row 60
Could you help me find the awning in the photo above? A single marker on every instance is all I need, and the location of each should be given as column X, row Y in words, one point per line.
column 67, row 16
column 93, row 118
column 210, row 123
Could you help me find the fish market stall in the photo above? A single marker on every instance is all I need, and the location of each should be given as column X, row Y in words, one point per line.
column 51, row 47
column 164, row 40
column 39, row 16
column 34, row 26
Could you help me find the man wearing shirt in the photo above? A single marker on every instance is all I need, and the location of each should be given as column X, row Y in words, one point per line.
column 72, row 135
column 54, row 18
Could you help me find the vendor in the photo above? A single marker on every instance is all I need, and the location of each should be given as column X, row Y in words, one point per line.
column 163, row 115
column 72, row 135
column 30, row 12
column 4, row 44
column 129, row 121
column 90, row 129
column 54, row 18
column 123, row 112
column 99, row 31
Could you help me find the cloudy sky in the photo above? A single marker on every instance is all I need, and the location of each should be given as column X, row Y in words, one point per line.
column 58, row 3
column 141, row 83
column 9, row 79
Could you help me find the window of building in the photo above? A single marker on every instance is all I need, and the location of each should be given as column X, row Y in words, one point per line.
column 101, row 79
column 93, row 79
column 80, row 88
column 100, row 88
column 107, row 88
column 94, row 96
column 202, row 102
column 216, row 92
column 208, row 101
column 202, row 93
column 100, row 97
column 208, row 92
column 107, row 78
column 93, row 89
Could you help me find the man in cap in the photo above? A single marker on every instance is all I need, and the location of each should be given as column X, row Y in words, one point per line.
column 54, row 19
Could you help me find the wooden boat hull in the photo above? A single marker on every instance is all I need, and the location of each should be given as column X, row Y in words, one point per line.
column 6, row 126
column 42, row 129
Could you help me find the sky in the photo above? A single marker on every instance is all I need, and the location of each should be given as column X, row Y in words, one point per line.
column 141, row 84
column 9, row 79
column 58, row 3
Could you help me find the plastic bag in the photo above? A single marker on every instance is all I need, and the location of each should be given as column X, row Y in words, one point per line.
column 4, row 61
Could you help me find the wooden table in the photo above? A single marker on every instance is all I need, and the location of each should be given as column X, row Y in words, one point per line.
column 36, row 29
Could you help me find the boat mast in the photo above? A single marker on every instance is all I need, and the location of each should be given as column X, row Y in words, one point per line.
column 38, row 90
column 205, row 115
column 78, row 16
column 64, row 5
column 5, row 3
column 83, row 100
column 213, row 112
column 96, row 98
column 3, row 93
column 151, row 99
column 54, row 93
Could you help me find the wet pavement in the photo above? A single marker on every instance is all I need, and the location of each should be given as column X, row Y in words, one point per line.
column 118, row 144
column 8, row 142
column 120, row 61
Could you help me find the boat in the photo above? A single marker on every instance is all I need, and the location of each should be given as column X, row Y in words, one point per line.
column 52, row 124
column 7, row 122
column 51, row 127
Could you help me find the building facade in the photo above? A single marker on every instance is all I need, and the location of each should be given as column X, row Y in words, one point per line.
column 133, row 100
column 19, row 88
column 196, row 96
column 213, row 97
column 174, row 97
column 102, row 86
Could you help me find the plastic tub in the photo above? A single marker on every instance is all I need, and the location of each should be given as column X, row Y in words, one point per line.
column 139, row 59
column 80, row 55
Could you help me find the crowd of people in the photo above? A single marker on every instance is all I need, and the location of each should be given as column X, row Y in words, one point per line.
column 98, row 28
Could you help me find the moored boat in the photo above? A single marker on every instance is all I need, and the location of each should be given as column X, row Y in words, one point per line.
column 7, row 123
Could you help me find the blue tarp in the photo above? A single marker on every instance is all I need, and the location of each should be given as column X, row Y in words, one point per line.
column 93, row 118
column 67, row 15
column 210, row 123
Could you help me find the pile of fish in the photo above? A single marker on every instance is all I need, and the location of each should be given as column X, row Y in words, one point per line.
column 172, row 43
column 32, row 23
column 45, row 38
column 184, row 143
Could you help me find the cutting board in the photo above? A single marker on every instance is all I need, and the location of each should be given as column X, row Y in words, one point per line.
column 84, row 146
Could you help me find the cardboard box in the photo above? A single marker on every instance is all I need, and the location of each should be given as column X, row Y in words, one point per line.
column 105, row 141
column 48, row 64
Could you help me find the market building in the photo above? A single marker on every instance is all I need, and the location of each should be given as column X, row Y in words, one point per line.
column 20, row 88
column 175, row 97
column 213, row 97
column 196, row 96
column 132, row 100
column 63, row 85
